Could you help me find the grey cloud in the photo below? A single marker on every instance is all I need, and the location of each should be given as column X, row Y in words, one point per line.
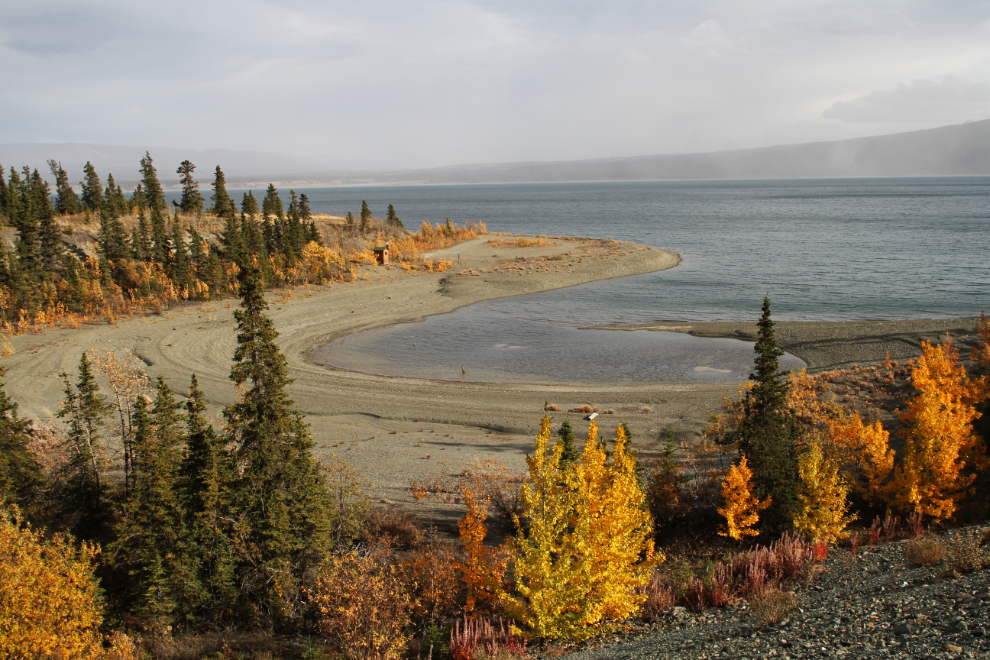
column 948, row 100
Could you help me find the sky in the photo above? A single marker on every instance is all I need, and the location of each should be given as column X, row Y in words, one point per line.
column 413, row 83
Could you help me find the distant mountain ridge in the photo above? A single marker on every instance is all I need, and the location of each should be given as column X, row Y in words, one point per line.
column 957, row 150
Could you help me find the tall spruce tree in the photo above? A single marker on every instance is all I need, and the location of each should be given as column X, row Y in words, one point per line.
column 191, row 202
column 392, row 218
column 769, row 433
column 223, row 205
column 249, row 205
column 206, row 484
column 84, row 410
column 565, row 437
column 66, row 200
column 365, row 217
column 305, row 214
column 113, row 199
column 281, row 494
column 271, row 206
column 153, row 196
column 151, row 536
column 92, row 189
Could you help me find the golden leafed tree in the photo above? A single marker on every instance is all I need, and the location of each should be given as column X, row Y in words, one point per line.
column 482, row 569
column 865, row 454
column 552, row 564
column 50, row 602
column 588, row 546
column 616, row 527
column 824, row 506
column 742, row 508
column 939, row 440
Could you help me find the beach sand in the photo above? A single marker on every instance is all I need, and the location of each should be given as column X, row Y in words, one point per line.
column 393, row 430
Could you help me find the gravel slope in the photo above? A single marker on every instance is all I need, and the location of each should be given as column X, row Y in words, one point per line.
column 872, row 605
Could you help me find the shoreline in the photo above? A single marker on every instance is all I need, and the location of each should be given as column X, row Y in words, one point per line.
column 826, row 345
column 394, row 429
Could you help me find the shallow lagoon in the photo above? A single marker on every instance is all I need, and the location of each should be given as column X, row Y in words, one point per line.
column 493, row 346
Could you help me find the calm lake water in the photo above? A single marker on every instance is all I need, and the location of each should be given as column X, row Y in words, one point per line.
column 829, row 249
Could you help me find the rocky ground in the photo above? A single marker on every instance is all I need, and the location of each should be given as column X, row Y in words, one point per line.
column 869, row 605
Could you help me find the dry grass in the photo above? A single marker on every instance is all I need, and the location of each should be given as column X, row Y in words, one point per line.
column 772, row 606
column 924, row 551
column 967, row 552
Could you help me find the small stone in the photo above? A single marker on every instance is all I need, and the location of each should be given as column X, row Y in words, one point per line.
column 905, row 629
column 952, row 648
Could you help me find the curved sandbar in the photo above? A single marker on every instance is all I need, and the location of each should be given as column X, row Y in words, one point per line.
column 828, row 345
column 392, row 429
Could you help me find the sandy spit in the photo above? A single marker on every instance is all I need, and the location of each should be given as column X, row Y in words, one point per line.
column 390, row 429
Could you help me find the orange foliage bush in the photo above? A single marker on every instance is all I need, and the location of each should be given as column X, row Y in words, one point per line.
column 483, row 568
column 940, row 443
column 50, row 603
column 429, row 575
column 742, row 508
column 361, row 606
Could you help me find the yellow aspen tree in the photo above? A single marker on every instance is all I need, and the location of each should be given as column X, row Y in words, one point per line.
column 864, row 449
column 482, row 570
column 552, row 564
column 823, row 496
column 742, row 508
column 50, row 602
column 939, row 440
column 616, row 528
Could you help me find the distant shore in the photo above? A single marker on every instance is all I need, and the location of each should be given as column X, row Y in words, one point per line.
column 396, row 429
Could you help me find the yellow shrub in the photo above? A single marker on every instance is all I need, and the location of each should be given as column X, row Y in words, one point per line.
column 742, row 508
column 49, row 598
column 823, row 498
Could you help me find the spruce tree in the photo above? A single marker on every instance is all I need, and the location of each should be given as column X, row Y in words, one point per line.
column 66, row 200
column 151, row 537
column 3, row 197
column 392, row 218
column 271, row 206
column 20, row 474
column 365, row 217
column 115, row 206
column 565, row 437
column 84, row 410
column 281, row 493
column 223, row 205
column 154, row 196
column 349, row 222
column 206, row 485
column 769, row 434
column 92, row 189
column 249, row 205
column 179, row 270
column 192, row 200
column 304, row 213
column 112, row 238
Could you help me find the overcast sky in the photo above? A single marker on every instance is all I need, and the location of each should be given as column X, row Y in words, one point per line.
column 418, row 83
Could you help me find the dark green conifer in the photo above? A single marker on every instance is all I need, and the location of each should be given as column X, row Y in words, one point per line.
column 84, row 410
column 66, row 200
column 115, row 206
column 349, row 222
column 112, row 238
column 206, row 482
column 282, row 496
column 141, row 239
column 392, row 218
column 192, row 200
column 179, row 263
column 304, row 213
column 565, row 436
column 151, row 536
column 365, row 217
column 769, row 434
column 271, row 206
column 223, row 205
column 92, row 189
column 20, row 474
column 249, row 205
column 153, row 195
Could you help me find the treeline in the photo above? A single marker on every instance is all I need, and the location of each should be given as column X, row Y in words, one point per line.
column 149, row 256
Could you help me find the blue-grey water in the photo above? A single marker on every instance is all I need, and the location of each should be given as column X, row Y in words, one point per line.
column 823, row 249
